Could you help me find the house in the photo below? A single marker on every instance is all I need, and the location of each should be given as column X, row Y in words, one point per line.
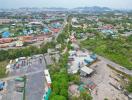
column 46, row 30
column 19, row 43
column 6, row 40
column 56, row 25
column 55, row 30
column 5, row 34
column 85, row 71
column 79, row 59
column 4, row 21
column 109, row 33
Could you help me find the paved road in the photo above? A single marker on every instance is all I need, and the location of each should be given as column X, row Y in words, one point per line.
column 35, row 83
column 116, row 66
column 35, row 86
column 10, row 93
column 13, row 77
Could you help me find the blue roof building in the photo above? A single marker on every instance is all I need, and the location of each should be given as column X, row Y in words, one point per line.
column 46, row 30
column 56, row 25
column 108, row 32
column 25, row 32
column 5, row 34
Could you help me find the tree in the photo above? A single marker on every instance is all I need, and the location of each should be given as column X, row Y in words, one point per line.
column 85, row 96
column 55, row 87
column 129, row 87
column 57, row 97
column 64, row 92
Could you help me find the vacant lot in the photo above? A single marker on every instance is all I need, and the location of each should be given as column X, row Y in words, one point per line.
column 117, row 50
column 103, row 78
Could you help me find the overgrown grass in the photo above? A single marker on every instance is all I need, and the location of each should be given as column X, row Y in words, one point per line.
column 117, row 50
column 3, row 65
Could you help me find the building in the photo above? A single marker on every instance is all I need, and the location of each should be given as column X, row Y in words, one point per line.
column 19, row 43
column 5, row 21
column 47, row 77
column 85, row 71
column 5, row 34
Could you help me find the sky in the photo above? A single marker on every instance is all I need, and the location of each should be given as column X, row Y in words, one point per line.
column 118, row 4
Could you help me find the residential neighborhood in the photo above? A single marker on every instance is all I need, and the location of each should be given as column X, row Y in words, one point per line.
column 65, row 53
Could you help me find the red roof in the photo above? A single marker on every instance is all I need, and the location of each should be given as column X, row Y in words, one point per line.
column 55, row 30
column 6, row 40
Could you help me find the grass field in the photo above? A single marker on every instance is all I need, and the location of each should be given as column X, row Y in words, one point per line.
column 118, row 50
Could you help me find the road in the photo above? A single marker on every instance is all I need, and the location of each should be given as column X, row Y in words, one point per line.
column 35, row 83
column 116, row 66
column 15, row 76
column 64, row 24
column 35, row 86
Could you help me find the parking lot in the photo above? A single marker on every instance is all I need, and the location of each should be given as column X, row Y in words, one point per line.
column 27, row 65
column 10, row 93
column 35, row 86
column 33, row 68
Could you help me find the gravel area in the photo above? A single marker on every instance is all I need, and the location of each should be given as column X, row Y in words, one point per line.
column 102, row 79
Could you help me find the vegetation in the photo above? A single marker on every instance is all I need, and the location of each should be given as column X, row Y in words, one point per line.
column 60, row 80
column 28, row 51
column 59, row 75
column 74, row 79
column 85, row 96
column 105, row 99
column 129, row 87
column 3, row 69
column 6, row 55
column 58, row 71
column 118, row 50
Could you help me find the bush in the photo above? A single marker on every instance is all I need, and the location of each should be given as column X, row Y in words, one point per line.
column 129, row 87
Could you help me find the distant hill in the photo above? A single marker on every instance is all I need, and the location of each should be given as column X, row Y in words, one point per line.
column 92, row 9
